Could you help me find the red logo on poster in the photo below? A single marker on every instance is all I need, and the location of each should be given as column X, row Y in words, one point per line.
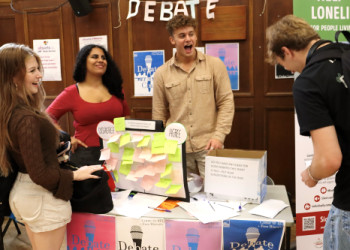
column 323, row 190
column 317, row 198
column 307, row 206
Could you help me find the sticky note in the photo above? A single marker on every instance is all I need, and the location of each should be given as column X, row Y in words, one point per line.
column 144, row 141
column 163, row 183
column 114, row 147
column 119, row 124
column 167, row 171
column 124, row 139
column 158, row 140
column 170, row 147
column 128, row 154
column 116, row 176
column 175, row 157
column 125, row 169
column 173, row 189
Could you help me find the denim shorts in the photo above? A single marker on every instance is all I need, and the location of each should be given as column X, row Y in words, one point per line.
column 336, row 234
column 37, row 207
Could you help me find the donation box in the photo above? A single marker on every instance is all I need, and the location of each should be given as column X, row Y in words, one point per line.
column 232, row 174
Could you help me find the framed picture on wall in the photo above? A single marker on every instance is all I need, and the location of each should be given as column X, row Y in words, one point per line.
column 229, row 54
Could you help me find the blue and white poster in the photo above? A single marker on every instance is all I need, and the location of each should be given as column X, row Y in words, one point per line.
column 145, row 65
column 250, row 234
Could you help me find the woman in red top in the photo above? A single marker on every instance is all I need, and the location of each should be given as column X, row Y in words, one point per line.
column 96, row 96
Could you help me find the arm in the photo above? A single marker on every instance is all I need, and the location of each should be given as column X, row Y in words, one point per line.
column 327, row 156
column 224, row 105
column 160, row 105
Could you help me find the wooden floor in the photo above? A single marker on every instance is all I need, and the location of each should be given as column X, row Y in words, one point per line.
column 15, row 241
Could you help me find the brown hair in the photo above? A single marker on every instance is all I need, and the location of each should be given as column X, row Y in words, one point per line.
column 290, row 31
column 14, row 94
column 180, row 21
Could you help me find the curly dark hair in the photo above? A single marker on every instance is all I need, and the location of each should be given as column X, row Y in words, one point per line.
column 112, row 78
column 180, row 21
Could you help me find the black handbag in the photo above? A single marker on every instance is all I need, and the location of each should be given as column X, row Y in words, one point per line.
column 91, row 195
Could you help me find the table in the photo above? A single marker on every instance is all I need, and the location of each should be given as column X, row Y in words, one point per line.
column 277, row 192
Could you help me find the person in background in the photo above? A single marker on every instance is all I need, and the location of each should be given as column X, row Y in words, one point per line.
column 193, row 89
column 97, row 96
column 322, row 105
column 28, row 141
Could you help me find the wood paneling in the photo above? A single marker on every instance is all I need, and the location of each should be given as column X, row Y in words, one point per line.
column 230, row 23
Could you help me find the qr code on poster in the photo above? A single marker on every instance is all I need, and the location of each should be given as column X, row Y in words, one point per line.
column 309, row 223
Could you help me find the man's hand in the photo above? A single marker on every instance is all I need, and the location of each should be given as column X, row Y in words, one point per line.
column 75, row 142
column 306, row 178
column 214, row 144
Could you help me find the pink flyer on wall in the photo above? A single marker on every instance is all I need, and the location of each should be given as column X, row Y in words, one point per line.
column 90, row 231
column 229, row 55
column 194, row 235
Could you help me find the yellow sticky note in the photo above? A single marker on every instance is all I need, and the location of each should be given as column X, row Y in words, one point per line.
column 114, row 147
column 173, row 189
column 163, row 183
column 124, row 139
column 128, row 154
column 168, row 169
column 116, row 176
column 119, row 124
column 125, row 169
column 157, row 151
column 170, row 147
column 144, row 142
column 158, row 140
column 175, row 157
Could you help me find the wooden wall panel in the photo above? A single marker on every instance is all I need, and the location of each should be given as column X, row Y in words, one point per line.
column 242, row 133
column 280, row 140
column 7, row 24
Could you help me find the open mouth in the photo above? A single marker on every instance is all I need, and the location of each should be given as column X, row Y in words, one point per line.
column 188, row 48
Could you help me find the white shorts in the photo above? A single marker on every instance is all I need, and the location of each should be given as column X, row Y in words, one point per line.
column 37, row 207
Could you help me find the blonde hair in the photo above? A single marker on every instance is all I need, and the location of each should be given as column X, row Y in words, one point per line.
column 15, row 95
column 290, row 31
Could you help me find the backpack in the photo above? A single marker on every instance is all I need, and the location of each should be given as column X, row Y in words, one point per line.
column 336, row 50
column 6, row 184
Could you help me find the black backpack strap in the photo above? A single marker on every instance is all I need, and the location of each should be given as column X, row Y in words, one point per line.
column 314, row 48
column 344, row 32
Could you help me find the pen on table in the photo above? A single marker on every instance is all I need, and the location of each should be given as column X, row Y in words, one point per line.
column 211, row 206
column 160, row 209
column 195, row 198
column 224, row 205
column 240, row 207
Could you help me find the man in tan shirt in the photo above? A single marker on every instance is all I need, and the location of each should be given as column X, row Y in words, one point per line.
column 193, row 89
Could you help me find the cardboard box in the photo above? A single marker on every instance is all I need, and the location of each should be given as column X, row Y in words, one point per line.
column 236, row 175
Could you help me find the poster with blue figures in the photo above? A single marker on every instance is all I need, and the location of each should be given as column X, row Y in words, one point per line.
column 253, row 235
column 229, row 55
column 145, row 65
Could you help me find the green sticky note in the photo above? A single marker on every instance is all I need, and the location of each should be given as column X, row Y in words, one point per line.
column 170, row 147
column 127, row 162
column 125, row 169
column 158, row 140
column 175, row 157
column 168, row 169
column 114, row 147
column 119, row 124
column 173, row 189
column 163, row 183
column 124, row 139
column 144, row 142
column 157, row 151
column 116, row 176
column 128, row 154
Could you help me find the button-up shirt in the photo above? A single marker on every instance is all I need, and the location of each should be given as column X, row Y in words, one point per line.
column 200, row 99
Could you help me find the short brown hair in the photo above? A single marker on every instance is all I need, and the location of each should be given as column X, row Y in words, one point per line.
column 290, row 31
column 180, row 21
